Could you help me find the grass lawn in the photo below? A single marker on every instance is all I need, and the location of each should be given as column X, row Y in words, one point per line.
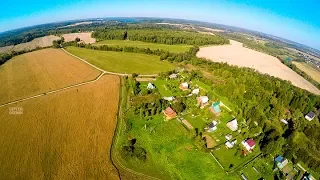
column 177, row 48
column 122, row 62
column 227, row 156
column 263, row 169
column 171, row 151
column 163, row 90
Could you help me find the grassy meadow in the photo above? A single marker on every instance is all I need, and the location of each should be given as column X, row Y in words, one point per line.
column 67, row 135
column 172, row 152
column 41, row 71
column 178, row 48
column 122, row 62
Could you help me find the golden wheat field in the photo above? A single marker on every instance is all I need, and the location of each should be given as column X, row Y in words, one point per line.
column 41, row 71
column 308, row 69
column 66, row 135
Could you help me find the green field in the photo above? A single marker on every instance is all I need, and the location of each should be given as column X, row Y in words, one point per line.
column 122, row 62
column 178, row 48
column 172, row 152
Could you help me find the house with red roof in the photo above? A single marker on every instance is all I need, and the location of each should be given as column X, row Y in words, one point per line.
column 249, row 144
column 169, row 113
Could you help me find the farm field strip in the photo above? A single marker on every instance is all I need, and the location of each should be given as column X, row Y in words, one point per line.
column 179, row 48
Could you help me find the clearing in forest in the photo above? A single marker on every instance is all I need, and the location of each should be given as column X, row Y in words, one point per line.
column 309, row 70
column 66, row 135
column 236, row 54
column 84, row 36
column 177, row 48
column 41, row 71
column 122, row 62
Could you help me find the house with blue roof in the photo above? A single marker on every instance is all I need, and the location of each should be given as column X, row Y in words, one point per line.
column 215, row 108
column 281, row 161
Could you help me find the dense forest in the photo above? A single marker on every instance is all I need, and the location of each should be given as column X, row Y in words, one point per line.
column 162, row 36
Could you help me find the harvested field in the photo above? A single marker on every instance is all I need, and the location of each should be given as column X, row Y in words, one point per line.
column 236, row 54
column 5, row 49
column 145, row 79
column 67, row 135
column 41, row 71
column 85, row 36
column 308, row 69
column 45, row 41
column 122, row 62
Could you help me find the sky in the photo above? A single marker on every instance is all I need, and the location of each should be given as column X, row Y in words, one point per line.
column 297, row 20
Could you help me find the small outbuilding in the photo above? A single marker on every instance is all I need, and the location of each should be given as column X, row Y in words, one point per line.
column 195, row 91
column 229, row 144
column 281, row 162
column 228, row 137
column 215, row 108
column 173, row 76
column 170, row 98
column 212, row 126
column 150, row 86
column 233, row 125
column 310, row 116
column 169, row 113
column 203, row 101
column 184, row 86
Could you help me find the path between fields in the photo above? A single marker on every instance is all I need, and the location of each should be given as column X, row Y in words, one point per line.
column 54, row 91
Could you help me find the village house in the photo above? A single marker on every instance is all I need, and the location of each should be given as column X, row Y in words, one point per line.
column 230, row 144
column 249, row 144
column 173, row 76
column 195, row 91
column 310, row 116
column 281, row 162
column 284, row 121
column 233, row 125
column 203, row 101
column 170, row 98
column 228, row 137
column 184, row 86
column 169, row 113
column 150, row 86
column 212, row 126
column 215, row 108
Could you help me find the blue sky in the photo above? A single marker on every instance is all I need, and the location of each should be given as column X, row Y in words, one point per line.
column 297, row 20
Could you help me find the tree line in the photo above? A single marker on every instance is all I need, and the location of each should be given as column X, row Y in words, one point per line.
column 162, row 36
